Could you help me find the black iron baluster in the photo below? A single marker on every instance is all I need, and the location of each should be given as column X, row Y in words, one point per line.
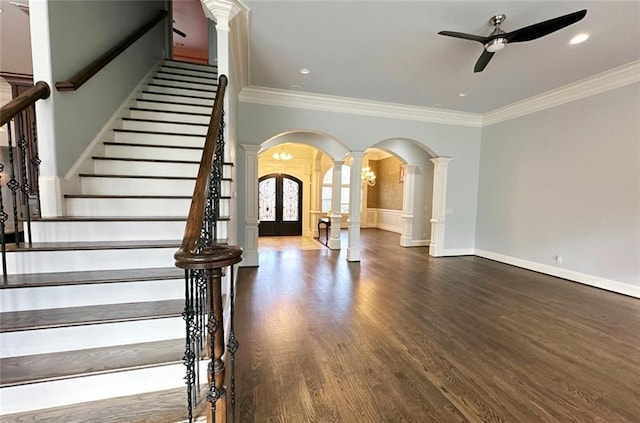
column 26, row 186
column 13, row 185
column 35, row 164
column 3, row 218
column 233, row 344
column 189, row 354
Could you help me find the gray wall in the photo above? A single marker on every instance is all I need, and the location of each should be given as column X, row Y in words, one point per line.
column 566, row 181
column 81, row 31
column 257, row 123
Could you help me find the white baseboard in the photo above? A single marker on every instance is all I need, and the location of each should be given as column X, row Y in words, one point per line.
column 249, row 259
column 595, row 281
column 415, row 243
column 452, row 252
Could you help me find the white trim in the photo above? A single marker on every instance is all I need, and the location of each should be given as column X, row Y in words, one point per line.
column 386, row 219
column 328, row 103
column 605, row 81
column 595, row 281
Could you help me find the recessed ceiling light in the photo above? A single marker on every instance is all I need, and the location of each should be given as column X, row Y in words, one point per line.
column 462, row 95
column 305, row 71
column 580, row 38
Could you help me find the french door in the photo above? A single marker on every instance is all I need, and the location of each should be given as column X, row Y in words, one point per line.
column 280, row 205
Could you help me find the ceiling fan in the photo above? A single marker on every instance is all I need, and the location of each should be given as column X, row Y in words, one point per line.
column 498, row 39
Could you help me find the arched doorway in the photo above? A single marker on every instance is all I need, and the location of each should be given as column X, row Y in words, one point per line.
column 279, row 205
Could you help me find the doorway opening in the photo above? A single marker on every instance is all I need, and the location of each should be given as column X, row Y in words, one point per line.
column 279, row 205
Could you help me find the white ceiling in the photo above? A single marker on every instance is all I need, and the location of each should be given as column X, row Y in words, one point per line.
column 389, row 50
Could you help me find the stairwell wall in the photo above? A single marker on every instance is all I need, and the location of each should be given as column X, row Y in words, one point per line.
column 68, row 35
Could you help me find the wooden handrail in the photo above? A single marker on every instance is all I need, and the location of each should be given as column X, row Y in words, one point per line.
column 196, row 212
column 40, row 90
column 96, row 66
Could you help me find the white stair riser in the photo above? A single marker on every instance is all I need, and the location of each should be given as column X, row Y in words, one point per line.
column 62, row 296
column 199, row 85
column 121, row 167
column 177, row 128
column 171, row 117
column 93, row 388
column 176, row 99
column 136, row 186
column 180, row 91
column 159, row 139
column 105, row 207
column 156, row 153
column 43, row 341
column 199, row 79
column 188, row 68
column 43, row 231
column 142, row 186
column 172, row 107
column 85, row 260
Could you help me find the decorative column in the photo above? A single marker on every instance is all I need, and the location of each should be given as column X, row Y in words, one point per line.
column 251, row 221
column 316, row 197
column 355, row 201
column 336, row 217
column 441, row 166
column 407, row 204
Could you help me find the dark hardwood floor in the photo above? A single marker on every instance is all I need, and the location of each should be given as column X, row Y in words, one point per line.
column 403, row 337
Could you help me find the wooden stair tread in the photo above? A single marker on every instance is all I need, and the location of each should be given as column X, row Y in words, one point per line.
column 171, row 73
column 93, row 361
column 112, row 218
column 153, row 84
column 90, row 277
column 76, row 316
column 94, row 245
column 167, row 406
column 174, row 102
column 129, row 159
column 136, row 196
column 134, row 144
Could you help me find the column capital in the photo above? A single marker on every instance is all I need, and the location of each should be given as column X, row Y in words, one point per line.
column 410, row 168
column 356, row 154
column 221, row 11
column 250, row 148
column 338, row 162
column 442, row 161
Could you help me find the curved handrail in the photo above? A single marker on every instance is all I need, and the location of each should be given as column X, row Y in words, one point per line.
column 77, row 80
column 40, row 90
column 198, row 202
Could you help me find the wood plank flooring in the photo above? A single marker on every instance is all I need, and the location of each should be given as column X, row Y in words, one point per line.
column 403, row 337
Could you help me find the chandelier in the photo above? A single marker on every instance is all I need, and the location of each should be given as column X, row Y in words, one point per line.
column 282, row 155
column 368, row 176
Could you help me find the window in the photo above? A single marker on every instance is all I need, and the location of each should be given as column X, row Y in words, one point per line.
column 327, row 184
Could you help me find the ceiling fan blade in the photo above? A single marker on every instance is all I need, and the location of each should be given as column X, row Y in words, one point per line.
column 180, row 33
column 464, row 36
column 541, row 29
column 483, row 61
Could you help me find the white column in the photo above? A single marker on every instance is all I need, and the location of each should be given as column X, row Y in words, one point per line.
column 316, row 197
column 407, row 204
column 441, row 166
column 355, row 202
column 336, row 217
column 251, row 222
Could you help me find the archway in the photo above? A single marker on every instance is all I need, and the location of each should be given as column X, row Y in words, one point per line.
column 424, row 196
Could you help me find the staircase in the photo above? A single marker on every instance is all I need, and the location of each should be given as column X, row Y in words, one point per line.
column 91, row 322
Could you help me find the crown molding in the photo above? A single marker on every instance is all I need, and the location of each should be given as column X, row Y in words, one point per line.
column 327, row 103
column 611, row 79
column 605, row 81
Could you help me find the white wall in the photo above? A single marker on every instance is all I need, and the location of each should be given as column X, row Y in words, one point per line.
column 77, row 33
column 566, row 182
column 257, row 123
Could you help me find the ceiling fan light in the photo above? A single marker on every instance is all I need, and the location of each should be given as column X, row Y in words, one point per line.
column 496, row 44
